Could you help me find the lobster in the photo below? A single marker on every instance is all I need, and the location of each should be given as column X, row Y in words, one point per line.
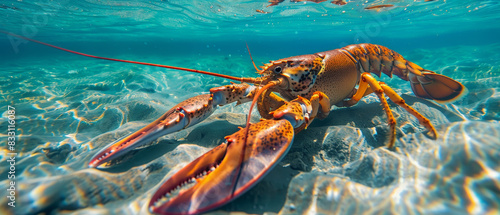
column 289, row 95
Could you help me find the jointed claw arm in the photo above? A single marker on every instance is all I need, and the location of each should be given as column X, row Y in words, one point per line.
column 183, row 115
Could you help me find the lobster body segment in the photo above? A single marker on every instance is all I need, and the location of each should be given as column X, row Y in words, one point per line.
column 330, row 72
column 339, row 76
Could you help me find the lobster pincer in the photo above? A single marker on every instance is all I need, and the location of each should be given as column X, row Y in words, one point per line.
column 226, row 171
column 183, row 115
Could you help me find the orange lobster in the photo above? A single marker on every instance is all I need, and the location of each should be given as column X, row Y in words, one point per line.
column 308, row 84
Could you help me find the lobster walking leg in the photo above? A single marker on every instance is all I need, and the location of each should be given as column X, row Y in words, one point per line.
column 300, row 112
column 369, row 84
column 362, row 91
column 269, row 102
column 401, row 102
column 367, row 78
column 183, row 115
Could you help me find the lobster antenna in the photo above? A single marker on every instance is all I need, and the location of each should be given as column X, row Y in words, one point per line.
column 258, row 71
column 248, row 80
column 247, row 127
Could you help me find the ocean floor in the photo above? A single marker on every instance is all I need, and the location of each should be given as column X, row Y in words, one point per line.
column 70, row 107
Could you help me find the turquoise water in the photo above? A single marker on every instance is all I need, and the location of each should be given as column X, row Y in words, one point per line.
column 68, row 107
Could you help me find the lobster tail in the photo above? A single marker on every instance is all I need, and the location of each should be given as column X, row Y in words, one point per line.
column 439, row 88
column 424, row 83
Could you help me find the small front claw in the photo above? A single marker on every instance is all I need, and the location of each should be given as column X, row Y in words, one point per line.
column 221, row 174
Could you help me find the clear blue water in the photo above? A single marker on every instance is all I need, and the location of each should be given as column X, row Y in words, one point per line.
column 69, row 106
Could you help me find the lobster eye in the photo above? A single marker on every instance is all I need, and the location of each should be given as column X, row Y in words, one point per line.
column 277, row 69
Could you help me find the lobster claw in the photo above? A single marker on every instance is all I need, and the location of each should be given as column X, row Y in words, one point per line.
column 186, row 113
column 225, row 172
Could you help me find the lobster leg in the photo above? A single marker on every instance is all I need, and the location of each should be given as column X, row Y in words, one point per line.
column 269, row 102
column 401, row 102
column 363, row 90
column 300, row 112
column 369, row 84
column 183, row 115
